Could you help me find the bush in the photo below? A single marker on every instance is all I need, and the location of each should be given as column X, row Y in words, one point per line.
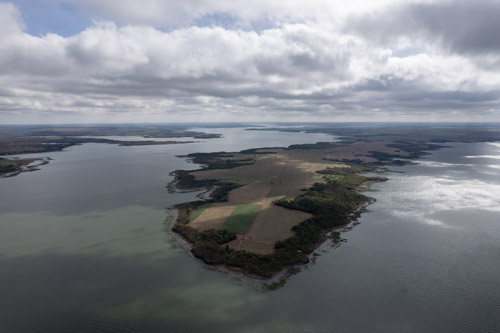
column 330, row 204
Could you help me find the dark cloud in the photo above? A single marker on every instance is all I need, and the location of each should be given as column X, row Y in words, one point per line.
column 462, row 26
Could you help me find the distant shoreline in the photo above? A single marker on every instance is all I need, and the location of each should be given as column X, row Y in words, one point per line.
column 35, row 139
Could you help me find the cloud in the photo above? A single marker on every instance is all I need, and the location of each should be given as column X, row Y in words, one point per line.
column 468, row 27
column 302, row 67
column 166, row 13
column 10, row 20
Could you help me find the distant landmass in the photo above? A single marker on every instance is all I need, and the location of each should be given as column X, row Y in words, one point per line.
column 29, row 139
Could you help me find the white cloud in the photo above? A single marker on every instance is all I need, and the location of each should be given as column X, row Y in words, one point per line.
column 162, row 13
column 10, row 20
column 494, row 157
column 302, row 65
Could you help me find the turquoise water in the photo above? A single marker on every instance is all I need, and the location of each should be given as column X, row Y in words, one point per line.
column 84, row 246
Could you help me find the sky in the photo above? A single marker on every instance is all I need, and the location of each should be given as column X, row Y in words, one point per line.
column 84, row 61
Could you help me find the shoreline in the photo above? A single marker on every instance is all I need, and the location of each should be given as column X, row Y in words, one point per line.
column 352, row 217
column 11, row 167
column 290, row 258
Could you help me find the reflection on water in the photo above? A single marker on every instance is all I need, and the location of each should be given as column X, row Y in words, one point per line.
column 83, row 247
column 444, row 187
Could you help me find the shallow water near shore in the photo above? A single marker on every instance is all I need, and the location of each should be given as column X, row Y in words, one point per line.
column 84, row 246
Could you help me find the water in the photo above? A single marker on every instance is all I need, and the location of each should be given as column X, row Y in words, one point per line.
column 84, row 246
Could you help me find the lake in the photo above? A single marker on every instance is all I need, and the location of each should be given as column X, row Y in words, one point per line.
column 85, row 246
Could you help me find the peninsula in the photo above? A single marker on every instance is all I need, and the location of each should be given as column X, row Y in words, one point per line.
column 269, row 208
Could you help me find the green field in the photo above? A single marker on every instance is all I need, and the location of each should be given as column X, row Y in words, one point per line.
column 241, row 219
column 199, row 210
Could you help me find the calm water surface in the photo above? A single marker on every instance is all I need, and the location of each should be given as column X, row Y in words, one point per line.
column 84, row 246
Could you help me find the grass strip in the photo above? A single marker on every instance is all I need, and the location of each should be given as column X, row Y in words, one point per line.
column 199, row 210
column 241, row 218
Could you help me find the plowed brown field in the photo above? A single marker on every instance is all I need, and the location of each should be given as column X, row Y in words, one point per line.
column 272, row 177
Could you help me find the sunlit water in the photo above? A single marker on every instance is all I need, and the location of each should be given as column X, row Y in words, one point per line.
column 84, row 246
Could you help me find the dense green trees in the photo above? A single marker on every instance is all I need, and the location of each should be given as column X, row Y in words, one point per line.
column 330, row 204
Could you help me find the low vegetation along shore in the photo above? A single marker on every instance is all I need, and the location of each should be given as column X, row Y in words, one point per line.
column 10, row 167
column 270, row 208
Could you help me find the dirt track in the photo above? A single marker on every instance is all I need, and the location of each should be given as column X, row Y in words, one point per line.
column 272, row 177
column 278, row 175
